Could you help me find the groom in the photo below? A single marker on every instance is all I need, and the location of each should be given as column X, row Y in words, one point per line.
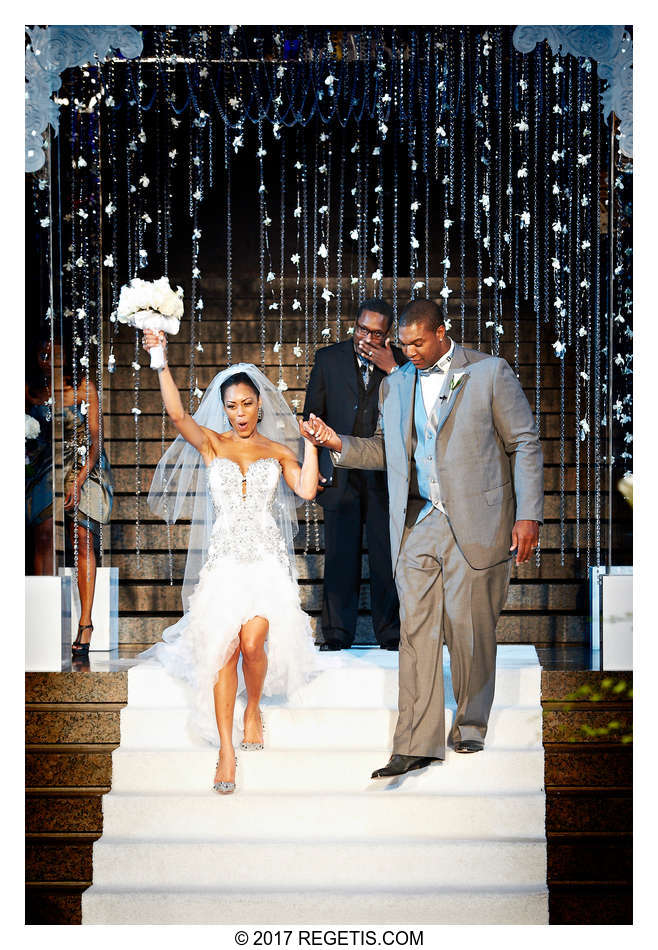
column 460, row 447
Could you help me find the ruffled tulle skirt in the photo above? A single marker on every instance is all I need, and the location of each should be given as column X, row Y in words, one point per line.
column 230, row 593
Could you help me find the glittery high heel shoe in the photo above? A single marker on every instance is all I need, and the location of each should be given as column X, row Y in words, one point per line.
column 255, row 746
column 224, row 788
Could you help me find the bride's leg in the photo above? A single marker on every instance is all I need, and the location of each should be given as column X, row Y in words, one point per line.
column 254, row 668
column 224, row 694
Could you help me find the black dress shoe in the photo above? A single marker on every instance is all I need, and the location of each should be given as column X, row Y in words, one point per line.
column 333, row 645
column 468, row 745
column 399, row 764
column 390, row 645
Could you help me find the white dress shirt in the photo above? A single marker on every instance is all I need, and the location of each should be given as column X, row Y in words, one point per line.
column 433, row 386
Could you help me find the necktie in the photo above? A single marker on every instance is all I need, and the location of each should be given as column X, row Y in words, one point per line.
column 432, row 369
column 364, row 366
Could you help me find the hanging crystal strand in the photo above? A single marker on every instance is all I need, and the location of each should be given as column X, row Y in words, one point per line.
column 84, row 209
column 463, row 109
column 578, row 326
column 585, row 246
column 382, row 130
column 476, row 191
column 339, row 253
column 596, row 208
column 396, row 142
column 414, row 204
column 365, row 178
column 497, row 191
column 425, row 101
column 535, row 241
column 314, row 293
column 304, row 179
column 111, row 210
column 513, row 231
column 229, row 248
column 77, row 263
column 572, row 208
column 296, row 258
column 261, row 230
column 97, row 337
column 524, row 143
column 357, row 233
column 282, row 173
column 509, row 191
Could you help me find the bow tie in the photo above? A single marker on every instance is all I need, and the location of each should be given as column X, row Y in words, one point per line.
column 432, row 369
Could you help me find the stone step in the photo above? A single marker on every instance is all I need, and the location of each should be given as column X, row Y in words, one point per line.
column 153, row 536
column 164, row 597
column 430, row 863
column 337, row 728
column 259, row 817
column 331, row 771
column 513, row 628
column 360, row 906
column 367, row 678
column 154, row 566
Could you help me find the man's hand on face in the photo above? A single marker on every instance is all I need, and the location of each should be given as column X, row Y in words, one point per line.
column 380, row 355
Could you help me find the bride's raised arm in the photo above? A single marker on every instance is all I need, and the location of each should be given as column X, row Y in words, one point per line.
column 191, row 431
column 303, row 479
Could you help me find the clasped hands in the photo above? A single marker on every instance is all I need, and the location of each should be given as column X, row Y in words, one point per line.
column 318, row 433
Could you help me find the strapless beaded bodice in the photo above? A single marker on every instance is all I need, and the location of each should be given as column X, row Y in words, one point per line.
column 244, row 528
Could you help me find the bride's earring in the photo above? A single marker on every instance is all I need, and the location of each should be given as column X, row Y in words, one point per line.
column 260, row 413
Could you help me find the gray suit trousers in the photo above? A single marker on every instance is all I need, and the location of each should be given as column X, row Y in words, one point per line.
column 444, row 599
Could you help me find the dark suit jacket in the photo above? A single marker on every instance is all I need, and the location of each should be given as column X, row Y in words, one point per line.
column 332, row 393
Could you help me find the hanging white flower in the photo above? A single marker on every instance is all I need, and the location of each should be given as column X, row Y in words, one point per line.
column 261, row 188
column 375, row 249
column 82, row 450
column 196, row 234
column 234, row 103
column 261, row 153
column 378, row 189
column 277, row 347
column 237, row 143
column 446, row 262
column 557, row 226
column 383, row 128
column 172, row 154
column 297, row 350
column 274, row 306
column 555, row 263
column 295, row 403
column 354, row 280
column 489, row 281
column 415, row 205
column 583, row 159
column 143, row 253
column 354, row 235
column 196, row 272
column 559, row 348
column 556, row 188
column 135, row 365
column 295, row 259
column 199, row 347
column 198, row 392
column 556, row 156
column 557, row 303
column 327, row 294
column 298, row 165
column 585, row 284
column 111, row 363
column 45, row 222
column 445, row 292
column 584, row 429
column 386, row 97
column 376, row 150
column 447, row 322
column 84, row 361
column 506, row 237
column 419, row 284
column 146, row 218
column 322, row 169
column 376, row 275
column 447, row 223
column 523, row 84
column 585, row 244
column 585, row 376
column 355, row 148
column 557, row 109
column 414, row 165
column 414, row 242
column 323, row 209
column 270, row 276
column 354, row 192
column 199, row 305
column 32, row 427
column 296, row 305
column 502, row 284
column 297, row 212
column 582, row 332
column 499, row 329
column 83, row 214
column 329, row 80
column 585, row 107
column 522, row 126
column 275, row 130
column 522, row 172
column 81, row 162
column 440, row 132
column 322, row 251
column 81, row 313
column 144, row 181
column 509, row 190
column 557, row 69
column 282, row 385
column 197, row 194
column 325, row 333
column 486, row 240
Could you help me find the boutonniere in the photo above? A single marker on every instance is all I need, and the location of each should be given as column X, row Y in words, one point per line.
column 457, row 380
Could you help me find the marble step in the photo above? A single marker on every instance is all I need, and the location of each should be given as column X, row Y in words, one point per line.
column 333, row 906
column 333, row 771
column 432, row 862
column 358, row 678
column 509, row 727
column 259, row 816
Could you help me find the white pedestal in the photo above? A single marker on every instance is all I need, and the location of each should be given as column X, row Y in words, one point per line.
column 47, row 623
column 611, row 598
column 105, row 612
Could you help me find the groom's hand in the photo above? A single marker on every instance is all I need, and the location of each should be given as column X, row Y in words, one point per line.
column 320, row 434
column 525, row 538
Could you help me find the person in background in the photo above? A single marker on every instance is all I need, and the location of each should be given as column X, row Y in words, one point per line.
column 343, row 390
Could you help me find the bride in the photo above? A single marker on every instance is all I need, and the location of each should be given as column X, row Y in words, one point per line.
column 233, row 470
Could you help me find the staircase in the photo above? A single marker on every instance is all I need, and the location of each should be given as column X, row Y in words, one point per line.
column 308, row 837
column 547, row 605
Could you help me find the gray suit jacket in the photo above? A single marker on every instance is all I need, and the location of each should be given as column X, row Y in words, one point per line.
column 488, row 459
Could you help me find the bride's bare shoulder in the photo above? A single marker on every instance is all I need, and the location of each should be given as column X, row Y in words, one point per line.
column 217, row 440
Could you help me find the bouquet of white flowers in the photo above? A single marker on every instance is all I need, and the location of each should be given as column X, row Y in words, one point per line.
column 32, row 427
column 151, row 305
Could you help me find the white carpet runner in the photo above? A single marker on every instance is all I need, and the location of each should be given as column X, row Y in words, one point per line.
column 308, row 837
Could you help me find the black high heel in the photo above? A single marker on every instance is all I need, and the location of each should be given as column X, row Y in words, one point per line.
column 78, row 648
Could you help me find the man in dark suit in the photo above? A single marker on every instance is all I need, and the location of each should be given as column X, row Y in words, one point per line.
column 343, row 390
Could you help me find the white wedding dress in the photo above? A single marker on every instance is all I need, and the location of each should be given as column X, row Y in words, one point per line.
column 246, row 574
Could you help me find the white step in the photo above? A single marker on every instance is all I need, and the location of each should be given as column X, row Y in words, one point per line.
column 315, row 865
column 204, row 817
column 518, row 727
column 354, row 678
column 250, row 907
column 329, row 771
